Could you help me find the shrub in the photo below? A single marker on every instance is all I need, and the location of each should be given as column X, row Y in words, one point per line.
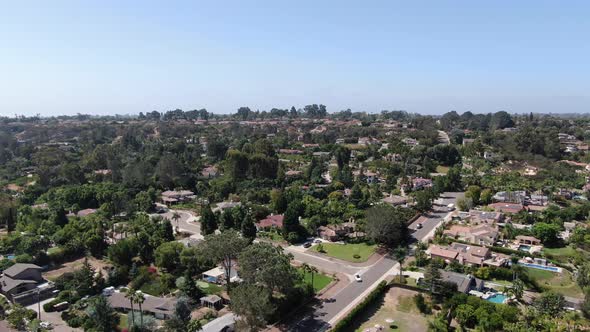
column 421, row 304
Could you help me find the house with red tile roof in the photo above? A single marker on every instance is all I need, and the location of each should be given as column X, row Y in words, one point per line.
column 271, row 221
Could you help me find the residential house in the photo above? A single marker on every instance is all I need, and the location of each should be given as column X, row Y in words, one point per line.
column 177, row 196
column 481, row 234
column 225, row 323
column 464, row 254
column 527, row 240
column 290, row 151
column 82, row 213
column 484, row 217
column 395, row 200
column 393, row 157
column 421, row 183
column 465, row 282
column 271, row 221
column 335, row 232
column 19, row 280
column 225, row 205
column 210, row 172
column 510, row 208
column 511, row 196
column 160, row 307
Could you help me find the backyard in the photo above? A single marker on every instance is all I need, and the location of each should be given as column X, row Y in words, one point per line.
column 209, row 288
column 562, row 283
column 351, row 252
column 396, row 311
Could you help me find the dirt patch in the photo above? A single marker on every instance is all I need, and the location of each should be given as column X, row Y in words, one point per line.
column 397, row 305
column 58, row 270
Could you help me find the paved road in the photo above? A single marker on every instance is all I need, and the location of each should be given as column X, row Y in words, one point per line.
column 186, row 223
column 324, row 315
column 433, row 219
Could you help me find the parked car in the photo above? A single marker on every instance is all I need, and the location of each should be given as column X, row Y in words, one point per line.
column 46, row 325
column 307, row 245
column 358, row 278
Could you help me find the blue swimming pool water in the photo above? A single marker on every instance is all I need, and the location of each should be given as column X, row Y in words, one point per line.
column 497, row 298
column 11, row 257
column 542, row 267
column 524, row 247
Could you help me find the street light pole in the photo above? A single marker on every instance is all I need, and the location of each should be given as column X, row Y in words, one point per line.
column 39, row 302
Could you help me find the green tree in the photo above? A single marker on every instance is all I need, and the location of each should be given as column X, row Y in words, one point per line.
column 248, row 228
column 253, row 305
column 386, row 225
column 550, row 303
column 208, row 221
column 423, row 200
column 474, row 192
column 547, row 233
column 102, row 317
column 432, row 276
column 225, row 248
column 267, row 265
column 291, row 226
column 400, row 254
column 168, row 255
column 278, row 201
column 19, row 315
column 181, row 317
column 465, row 315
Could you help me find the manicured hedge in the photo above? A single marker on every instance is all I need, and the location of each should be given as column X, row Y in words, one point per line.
column 345, row 323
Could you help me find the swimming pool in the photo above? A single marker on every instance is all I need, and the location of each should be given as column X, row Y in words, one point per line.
column 524, row 247
column 497, row 298
column 542, row 267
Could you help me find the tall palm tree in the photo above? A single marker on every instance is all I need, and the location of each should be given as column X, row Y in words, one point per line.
column 312, row 270
column 139, row 299
column 175, row 217
column 130, row 295
column 399, row 254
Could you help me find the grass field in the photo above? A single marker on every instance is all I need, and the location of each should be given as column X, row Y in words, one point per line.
column 320, row 281
column 352, row 252
column 442, row 169
column 122, row 322
column 562, row 283
column 209, row 288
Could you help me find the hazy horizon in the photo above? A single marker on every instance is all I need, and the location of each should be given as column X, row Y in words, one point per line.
column 66, row 57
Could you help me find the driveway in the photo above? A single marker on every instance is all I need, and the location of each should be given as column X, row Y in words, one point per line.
column 187, row 222
column 53, row 317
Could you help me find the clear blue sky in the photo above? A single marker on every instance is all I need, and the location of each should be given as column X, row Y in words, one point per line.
column 107, row 57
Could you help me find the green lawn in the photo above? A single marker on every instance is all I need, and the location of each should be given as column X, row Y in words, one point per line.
column 123, row 322
column 562, row 283
column 320, row 281
column 352, row 252
column 442, row 169
column 209, row 288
